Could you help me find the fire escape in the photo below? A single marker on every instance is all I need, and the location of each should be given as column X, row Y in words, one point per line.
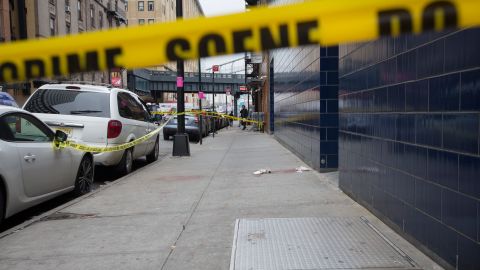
column 114, row 14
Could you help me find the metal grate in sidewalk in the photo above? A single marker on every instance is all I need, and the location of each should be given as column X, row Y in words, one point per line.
column 313, row 243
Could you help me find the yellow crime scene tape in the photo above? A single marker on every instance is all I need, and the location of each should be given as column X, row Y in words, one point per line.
column 211, row 114
column 323, row 22
column 97, row 149
column 121, row 147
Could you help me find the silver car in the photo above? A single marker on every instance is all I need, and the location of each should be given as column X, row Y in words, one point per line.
column 98, row 115
column 32, row 170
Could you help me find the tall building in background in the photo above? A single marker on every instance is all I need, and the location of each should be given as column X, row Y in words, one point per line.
column 5, row 30
column 140, row 12
column 33, row 19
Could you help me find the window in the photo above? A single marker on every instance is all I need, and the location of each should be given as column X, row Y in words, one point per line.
column 69, row 102
column 141, row 21
column 67, row 5
column 150, row 21
column 151, row 6
column 92, row 16
column 21, row 127
column 100, row 19
column 52, row 26
column 79, row 7
column 130, row 108
column 141, row 6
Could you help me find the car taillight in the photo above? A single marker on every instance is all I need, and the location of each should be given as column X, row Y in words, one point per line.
column 114, row 129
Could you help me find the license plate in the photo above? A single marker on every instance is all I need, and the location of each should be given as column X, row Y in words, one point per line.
column 68, row 131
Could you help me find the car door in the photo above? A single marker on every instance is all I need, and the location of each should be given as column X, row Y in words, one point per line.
column 150, row 126
column 44, row 168
column 132, row 111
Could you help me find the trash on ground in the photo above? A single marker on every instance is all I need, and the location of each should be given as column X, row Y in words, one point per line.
column 262, row 171
column 302, row 169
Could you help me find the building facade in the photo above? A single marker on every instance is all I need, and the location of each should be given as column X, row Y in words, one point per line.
column 409, row 138
column 32, row 19
column 304, row 85
column 65, row 17
column 140, row 12
column 5, row 29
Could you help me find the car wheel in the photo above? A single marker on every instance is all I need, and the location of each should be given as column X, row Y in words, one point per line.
column 2, row 204
column 126, row 164
column 85, row 176
column 153, row 156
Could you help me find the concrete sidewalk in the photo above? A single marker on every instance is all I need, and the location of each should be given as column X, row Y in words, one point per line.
column 180, row 213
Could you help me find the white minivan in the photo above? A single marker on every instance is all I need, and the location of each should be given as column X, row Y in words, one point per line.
column 98, row 116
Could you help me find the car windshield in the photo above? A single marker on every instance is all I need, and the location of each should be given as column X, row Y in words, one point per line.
column 69, row 102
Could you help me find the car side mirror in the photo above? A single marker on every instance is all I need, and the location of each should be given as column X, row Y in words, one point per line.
column 61, row 136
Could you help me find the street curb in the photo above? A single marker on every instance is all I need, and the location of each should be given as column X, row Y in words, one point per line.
column 36, row 219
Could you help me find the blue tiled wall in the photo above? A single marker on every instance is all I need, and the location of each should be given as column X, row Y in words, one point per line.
column 410, row 137
column 306, row 103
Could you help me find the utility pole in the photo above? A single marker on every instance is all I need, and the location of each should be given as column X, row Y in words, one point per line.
column 246, row 86
column 181, row 145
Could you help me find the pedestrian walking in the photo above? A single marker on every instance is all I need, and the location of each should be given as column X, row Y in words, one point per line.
column 231, row 118
column 244, row 114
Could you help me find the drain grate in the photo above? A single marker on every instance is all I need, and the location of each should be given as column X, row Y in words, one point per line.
column 313, row 243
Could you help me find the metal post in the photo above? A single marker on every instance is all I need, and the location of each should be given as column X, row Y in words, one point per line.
column 213, row 106
column 226, row 109
column 246, row 65
column 200, row 119
column 181, row 145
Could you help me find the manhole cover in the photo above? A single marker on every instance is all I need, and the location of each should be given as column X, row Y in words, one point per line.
column 313, row 243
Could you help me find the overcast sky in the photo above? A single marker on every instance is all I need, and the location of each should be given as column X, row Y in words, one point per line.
column 220, row 7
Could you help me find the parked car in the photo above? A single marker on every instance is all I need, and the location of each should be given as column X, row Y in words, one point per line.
column 98, row 116
column 31, row 169
column 154, row 110
column 7, row 100
column 220, row 122
column 192, row 128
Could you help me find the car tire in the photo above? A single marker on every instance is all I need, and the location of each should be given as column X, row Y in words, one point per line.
column 153, row 156
column 3, row 199
column 85, row 176
column 126, row 164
